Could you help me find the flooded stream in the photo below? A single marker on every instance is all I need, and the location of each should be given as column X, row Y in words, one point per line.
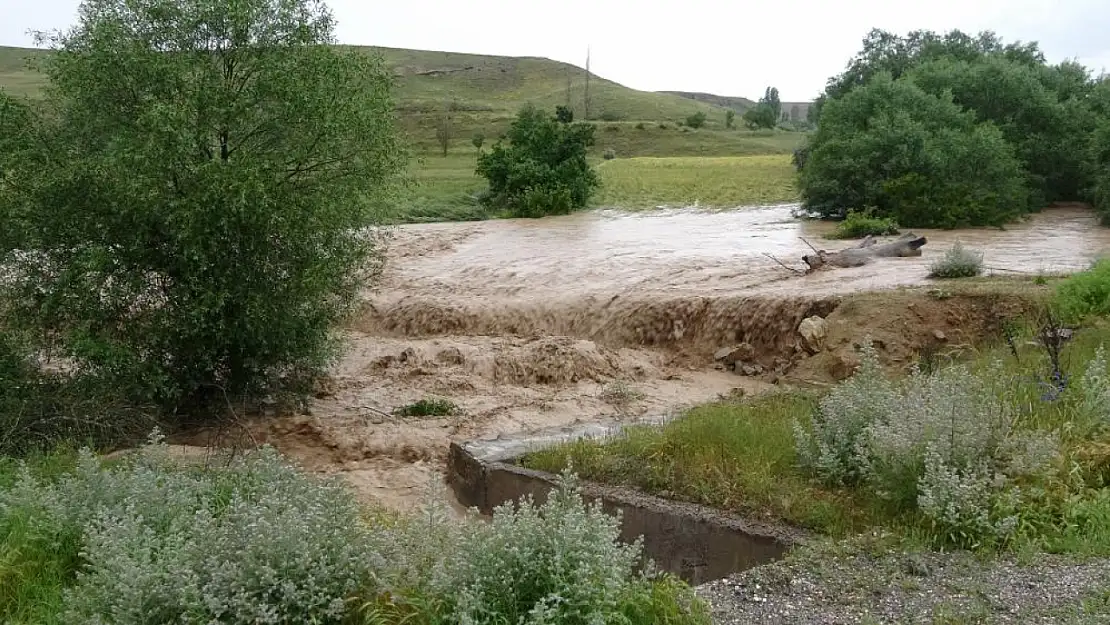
column 606, row 316
column 701, row 252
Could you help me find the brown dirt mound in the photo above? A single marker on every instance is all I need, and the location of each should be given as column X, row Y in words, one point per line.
column 907, row 326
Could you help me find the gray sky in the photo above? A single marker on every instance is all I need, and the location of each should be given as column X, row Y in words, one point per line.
column 719, row 46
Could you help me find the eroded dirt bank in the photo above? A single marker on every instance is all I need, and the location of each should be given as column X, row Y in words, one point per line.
column 530, row 324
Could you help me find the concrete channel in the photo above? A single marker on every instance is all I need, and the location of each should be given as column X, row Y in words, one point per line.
column 697, row 543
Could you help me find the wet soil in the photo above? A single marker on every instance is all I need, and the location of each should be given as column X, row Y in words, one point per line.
column 532, row 324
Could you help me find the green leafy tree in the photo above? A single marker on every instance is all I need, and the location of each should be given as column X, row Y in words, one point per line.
column 1099, row 150
column 543, row 170
column 760, row 116
column 916, row 157
column 478, row 140
column 564, row 114
column 1042, row 127
column 730, row 118
column 771, row 100
column 1047, row 114
column 696, row 120
column 192, row 222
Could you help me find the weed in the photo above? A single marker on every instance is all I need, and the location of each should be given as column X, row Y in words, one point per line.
column 957, row 262
column 1085, row 294
column 859, row 224
column 620, row 394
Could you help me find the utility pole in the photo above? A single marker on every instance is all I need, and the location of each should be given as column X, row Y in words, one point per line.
column 586, row 99
column 568, row 85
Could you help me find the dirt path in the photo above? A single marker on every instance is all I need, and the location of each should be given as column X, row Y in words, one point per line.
column 530, row 324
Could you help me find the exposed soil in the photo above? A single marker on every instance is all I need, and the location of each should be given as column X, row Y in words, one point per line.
column 531, row 324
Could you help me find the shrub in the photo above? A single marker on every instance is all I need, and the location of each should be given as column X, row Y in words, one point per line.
column 730, row 118
column 559, row 562
column 207, row 226
column 944, row 444
column 611, row 116
column 696, row 120
column 640, row 126
column 251, row 539
column 918, row 158
column 957, row 262
column 663, row 126
column 543, row 170
column 254, row 542
column 859, row 224
column 609, row 154
column 1085, row 294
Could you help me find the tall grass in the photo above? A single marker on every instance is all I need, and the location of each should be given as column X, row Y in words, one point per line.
column 733, row 455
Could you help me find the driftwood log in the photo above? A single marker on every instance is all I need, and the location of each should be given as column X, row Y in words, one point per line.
column 904, row 246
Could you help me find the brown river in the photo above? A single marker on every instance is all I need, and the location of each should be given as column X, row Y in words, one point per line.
column 699, row 252
column 598, row 316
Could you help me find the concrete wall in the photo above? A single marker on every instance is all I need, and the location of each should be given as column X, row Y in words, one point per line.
column 697, row 543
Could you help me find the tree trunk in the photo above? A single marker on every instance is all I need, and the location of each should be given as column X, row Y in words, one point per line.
column 904, row 246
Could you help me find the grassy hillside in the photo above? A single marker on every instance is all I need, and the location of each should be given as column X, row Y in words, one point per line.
column 482, row 95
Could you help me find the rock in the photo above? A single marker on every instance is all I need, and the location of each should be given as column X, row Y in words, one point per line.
column 843, row 365
column 732, row 355
column 813, row 331
column 939, row 335
column 752, row 369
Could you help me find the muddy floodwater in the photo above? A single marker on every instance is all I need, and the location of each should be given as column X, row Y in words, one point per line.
column 701, row 252
column 601, row 316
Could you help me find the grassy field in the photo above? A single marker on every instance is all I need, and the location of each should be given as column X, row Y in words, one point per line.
column 445, row 189
column 719, row 182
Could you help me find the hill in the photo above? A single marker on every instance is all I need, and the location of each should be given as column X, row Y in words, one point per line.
column 485, row 86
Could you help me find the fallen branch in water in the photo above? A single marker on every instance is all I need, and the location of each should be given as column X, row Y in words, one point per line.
column 801, row 272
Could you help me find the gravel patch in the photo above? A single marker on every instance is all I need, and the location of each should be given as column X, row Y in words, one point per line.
column 849, row 584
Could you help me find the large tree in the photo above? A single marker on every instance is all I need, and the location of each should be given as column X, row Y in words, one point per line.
column 193, row 218
column 1046, row 114
column 543, row 169
column 910, row 155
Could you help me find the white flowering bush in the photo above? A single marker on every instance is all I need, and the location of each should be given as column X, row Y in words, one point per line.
column 557, row 563
column 1094, row 389
column 255, row 542
column 957, row 262
column 945, row 443
column 830, row 445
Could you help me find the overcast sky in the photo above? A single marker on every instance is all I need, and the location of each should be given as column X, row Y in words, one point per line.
column 719, row 46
